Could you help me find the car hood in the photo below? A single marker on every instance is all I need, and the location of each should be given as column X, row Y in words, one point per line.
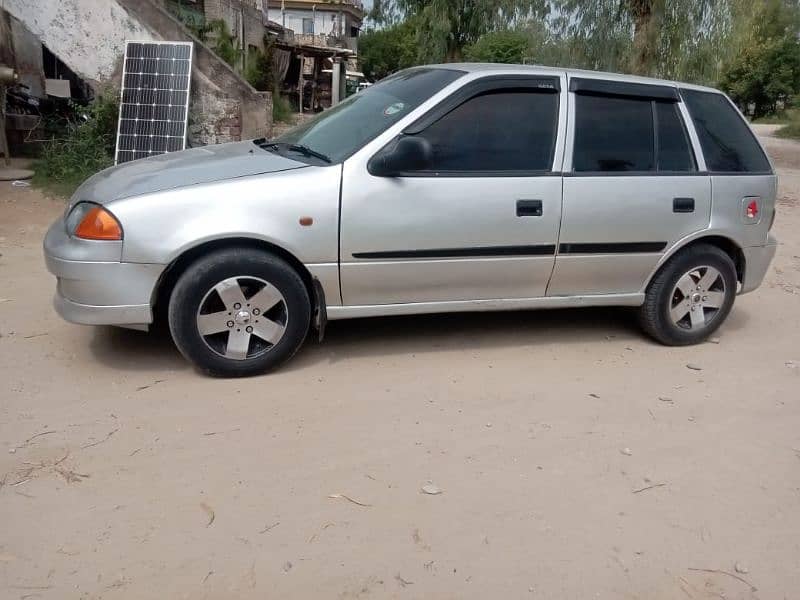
column 180, row 169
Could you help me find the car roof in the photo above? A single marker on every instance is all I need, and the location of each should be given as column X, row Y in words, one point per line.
column 540, row 69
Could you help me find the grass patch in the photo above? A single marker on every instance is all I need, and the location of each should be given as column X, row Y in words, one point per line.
column 791, row 131
column 83, row 148
column 776, row 119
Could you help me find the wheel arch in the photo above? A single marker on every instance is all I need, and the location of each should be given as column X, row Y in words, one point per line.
column 723, row 242
column 178, row 266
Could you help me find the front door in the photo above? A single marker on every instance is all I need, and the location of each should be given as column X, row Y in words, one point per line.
column 479, row 221
column 634, row 189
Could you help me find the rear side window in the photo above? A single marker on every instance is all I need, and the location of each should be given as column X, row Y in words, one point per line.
column 613, row 134
column 513, row 130
column 728, row 144
column 674, row 150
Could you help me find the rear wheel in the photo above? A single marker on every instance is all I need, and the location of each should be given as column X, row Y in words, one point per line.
column 690, row 297
column 238, row 312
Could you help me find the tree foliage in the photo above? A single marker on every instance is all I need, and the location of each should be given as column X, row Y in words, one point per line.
column 386, row 50
column 511, row 47
column 748, row 46
column 445, row 27
column 766, row 70
column 666, row 38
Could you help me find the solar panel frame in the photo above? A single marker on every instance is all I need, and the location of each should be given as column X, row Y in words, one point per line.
column 142, row 99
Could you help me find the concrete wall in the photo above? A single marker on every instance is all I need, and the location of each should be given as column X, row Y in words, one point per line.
column 23, row 50
column 89, row 36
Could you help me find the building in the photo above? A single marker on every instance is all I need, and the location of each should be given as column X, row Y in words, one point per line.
column 319, row 22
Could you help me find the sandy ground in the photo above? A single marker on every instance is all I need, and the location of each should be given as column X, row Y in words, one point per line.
column 576, row 458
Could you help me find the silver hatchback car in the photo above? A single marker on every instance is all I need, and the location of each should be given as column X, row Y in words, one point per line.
column 442, row 188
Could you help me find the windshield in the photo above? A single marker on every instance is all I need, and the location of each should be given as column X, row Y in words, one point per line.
column 340, row 131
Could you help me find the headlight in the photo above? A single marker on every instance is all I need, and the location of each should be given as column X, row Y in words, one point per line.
column 93, row 222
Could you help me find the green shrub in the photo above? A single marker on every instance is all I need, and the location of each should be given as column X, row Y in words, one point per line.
column 224, row 43
column 792, row 128
column 282, row 110
column 84, row 148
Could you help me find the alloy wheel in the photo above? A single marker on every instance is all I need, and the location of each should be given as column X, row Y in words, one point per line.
column 242, row 317
column 697, row 298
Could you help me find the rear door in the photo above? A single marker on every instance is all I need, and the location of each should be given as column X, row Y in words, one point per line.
column 631, row 190
column 481, row 220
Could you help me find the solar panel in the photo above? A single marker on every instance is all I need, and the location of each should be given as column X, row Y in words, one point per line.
column 154, row 99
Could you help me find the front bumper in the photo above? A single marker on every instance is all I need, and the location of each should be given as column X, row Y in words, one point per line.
column 757, row 261
column 93, row 290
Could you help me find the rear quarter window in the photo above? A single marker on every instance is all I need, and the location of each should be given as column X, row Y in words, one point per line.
column 727, row 142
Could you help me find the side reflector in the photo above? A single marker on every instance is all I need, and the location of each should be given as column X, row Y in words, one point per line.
column 752, row 210
column 99, row 224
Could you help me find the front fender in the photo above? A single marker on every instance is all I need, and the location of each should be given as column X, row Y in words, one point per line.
column 161, row 226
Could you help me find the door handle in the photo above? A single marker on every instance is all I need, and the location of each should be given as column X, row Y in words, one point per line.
column 682, row 205
column 529, row 208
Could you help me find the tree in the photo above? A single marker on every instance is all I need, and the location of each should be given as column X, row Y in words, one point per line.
column 381, row 52
column 641, row 36
column 445, row 27
column 767, row 70
column 500, row 47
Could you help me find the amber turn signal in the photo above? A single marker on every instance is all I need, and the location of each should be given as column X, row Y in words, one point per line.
column 99, row 224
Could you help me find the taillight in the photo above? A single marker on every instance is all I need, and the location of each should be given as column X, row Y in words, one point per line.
column 752, row 210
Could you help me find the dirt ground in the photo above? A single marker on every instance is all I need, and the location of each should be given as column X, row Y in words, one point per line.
column 575, row 458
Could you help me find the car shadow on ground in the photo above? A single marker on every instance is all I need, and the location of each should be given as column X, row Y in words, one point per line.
column 387, row 336
column 421, row 334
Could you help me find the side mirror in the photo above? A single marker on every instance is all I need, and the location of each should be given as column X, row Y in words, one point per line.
column 407, row 153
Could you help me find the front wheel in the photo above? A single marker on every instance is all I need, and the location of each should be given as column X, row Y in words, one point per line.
column 690, row 297
column 238, row 312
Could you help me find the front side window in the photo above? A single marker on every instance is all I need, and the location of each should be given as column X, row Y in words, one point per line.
column 503, row 130
column 340, row 131
column 727, row 142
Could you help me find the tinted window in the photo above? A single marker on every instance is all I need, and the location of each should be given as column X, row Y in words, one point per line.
column 727, row 143
column 674, row 149
column 501, row 131
column 613, row 134
column 343, row 129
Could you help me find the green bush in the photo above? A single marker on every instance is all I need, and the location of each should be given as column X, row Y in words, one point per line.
column 792, row 128
column 282, row 110
column 500, row 47
column 383, row 51
column 85, row 147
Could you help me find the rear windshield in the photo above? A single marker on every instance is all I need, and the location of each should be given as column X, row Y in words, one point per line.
column 343, row 129
column 727, row 142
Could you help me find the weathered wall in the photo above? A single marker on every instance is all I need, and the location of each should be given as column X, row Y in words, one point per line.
column 236, row 15
column 88, row 35
column 23, row 50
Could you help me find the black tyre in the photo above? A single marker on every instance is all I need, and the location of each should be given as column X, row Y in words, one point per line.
column 238, row 312
column 690, row 297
